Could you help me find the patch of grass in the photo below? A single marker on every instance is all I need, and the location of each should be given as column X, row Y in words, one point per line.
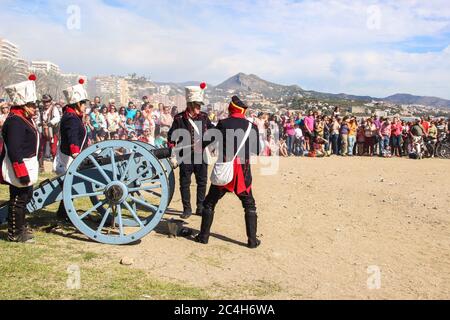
column 41, row 271
column 211, row 261
column 262, row 288
column 88, row 256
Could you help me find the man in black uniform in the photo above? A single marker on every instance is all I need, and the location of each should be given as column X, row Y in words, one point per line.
column 19, row 162
column 241, row 184
column 196, row 123
column 73, row 133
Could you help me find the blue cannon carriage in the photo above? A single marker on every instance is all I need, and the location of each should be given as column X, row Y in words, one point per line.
column 114, row 192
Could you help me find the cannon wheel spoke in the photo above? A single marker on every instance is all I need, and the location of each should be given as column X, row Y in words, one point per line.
column 133, row 213
column 102, row 224
column 159, row 195
column 151, row 192
column 143, row 203
column 99, row 168
column 113, row 163
column 119, row 215
column 143, row 199
column 82, row 176
column 146, row 188
column 84, row 215
column 127, row 168
column 83, row 195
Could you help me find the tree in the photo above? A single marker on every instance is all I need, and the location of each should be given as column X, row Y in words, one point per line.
column 8, row 75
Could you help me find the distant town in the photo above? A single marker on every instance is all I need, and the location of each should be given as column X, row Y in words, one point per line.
column 260, row 94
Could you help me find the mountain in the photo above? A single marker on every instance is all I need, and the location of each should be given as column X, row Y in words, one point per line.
column 252, row 85
column 403, row 98
column 248, row 84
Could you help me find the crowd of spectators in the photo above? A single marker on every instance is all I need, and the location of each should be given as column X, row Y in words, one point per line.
column 282, row 133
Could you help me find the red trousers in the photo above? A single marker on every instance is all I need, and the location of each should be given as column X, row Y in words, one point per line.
column 43, row 144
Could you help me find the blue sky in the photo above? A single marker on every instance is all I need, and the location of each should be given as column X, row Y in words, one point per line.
column 373, row 48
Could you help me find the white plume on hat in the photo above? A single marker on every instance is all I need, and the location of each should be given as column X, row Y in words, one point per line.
column 22, row 93
column 75, row 94
column 196, row 93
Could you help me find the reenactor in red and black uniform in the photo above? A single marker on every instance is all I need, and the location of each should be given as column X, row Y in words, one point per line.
column 72, row 132
column 196, row 123
column 241, row 184
column 19, row 161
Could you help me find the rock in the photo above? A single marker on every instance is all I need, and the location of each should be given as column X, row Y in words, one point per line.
column 127, row 261
column 381, row 179
column 435, row 208
column 337, row 230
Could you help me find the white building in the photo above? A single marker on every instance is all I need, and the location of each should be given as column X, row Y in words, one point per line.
column 22, row 67
column 44, row 66
column 164, row 90
column 8, row 50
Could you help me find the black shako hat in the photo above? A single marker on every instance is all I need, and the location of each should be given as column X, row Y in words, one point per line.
column 237, row 106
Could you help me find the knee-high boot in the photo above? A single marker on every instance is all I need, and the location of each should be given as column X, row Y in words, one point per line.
column 17, row 228
column 207, row 220
column 251, row 224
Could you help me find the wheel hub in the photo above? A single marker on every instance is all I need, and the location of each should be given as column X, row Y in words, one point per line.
column 116, row 192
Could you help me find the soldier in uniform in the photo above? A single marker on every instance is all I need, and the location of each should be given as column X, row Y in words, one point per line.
column 19, row 161
column 196, row 122
column 73, row 133
column 241, row 184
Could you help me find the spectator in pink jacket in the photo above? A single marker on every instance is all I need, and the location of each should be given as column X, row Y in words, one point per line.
column 385, row 137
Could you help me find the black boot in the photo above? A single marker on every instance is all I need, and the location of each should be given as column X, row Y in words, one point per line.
column 251, row 222
column 207, row 220
column 199, row 211
column 186, row 214
column 17, row 228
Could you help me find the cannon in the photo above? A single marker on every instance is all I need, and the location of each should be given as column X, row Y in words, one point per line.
column 114, row 192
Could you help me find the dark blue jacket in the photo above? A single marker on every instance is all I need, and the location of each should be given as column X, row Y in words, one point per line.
column 73, row 133
column 20, row 138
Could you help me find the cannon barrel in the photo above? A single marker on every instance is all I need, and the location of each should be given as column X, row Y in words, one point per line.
column 160, row 154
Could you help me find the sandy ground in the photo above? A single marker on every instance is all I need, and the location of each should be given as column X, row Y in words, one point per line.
column 327, row 226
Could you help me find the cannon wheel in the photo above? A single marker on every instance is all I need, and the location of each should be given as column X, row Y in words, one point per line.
column 115, row 188
column 168, row 170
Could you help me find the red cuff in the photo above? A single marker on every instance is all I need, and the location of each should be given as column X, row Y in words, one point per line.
column 20, row 169
column 74, row 149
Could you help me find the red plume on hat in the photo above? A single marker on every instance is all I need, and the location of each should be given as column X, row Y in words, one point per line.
column 203, row 85
column 81, row 81
column 32, row 77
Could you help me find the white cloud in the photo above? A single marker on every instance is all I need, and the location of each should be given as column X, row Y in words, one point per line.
column 321, row 45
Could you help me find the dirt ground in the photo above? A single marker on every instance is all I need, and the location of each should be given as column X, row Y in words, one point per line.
column 334, row 228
